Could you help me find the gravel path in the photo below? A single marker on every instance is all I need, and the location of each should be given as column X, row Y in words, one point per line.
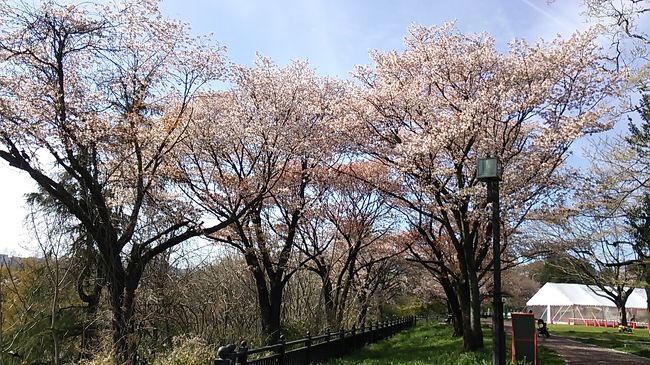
column 577, row 353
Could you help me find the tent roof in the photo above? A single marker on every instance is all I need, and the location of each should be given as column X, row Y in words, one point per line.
column 561, row 294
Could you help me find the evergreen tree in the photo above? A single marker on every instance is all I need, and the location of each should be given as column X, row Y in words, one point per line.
column 639, row 217
column 639, row 138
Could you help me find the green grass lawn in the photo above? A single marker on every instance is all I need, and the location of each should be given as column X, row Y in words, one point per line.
column 430, row 344
column 637, row 342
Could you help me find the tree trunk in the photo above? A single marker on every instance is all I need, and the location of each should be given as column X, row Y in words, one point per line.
column 475, row 311
column 122, row 299
column 363, row 310
column 265, row 315
column 363, row 315
column 276, row 312
column 472, row 339
column 647, row 285
column 328, row 301
column 270, row 306
column 453, row 306
column 623, row 313
column 124, row 344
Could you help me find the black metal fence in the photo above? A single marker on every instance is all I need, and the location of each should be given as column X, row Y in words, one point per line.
column 312, row 349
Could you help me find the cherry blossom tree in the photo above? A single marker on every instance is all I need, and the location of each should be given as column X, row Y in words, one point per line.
column 430, row 111
column 93, row 101
column 381, row 278
column 343, row 239
column 437, row 256
column 261, row 145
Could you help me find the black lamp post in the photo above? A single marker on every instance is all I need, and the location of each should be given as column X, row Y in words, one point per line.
column 489, row 170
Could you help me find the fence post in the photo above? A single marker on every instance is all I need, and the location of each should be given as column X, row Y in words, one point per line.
column 364, row 335
column 341, row 333
column 242, row 354
column 353, row 338
column 327, row 334
column 281, row 350
column 308, row 347
column 380, row 332
column 225, row 355
column 377, row 335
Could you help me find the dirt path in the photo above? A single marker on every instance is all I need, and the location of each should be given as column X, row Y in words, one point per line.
column 577, row 353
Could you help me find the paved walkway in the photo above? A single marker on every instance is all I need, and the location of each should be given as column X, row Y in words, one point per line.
column 577, row 353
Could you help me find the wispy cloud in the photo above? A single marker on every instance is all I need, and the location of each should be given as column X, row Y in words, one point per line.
column 561, row 17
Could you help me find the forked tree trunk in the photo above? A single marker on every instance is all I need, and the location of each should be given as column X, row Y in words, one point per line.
column 271, row 311
column 269, row 298
column 122, row 289
column 124, row 344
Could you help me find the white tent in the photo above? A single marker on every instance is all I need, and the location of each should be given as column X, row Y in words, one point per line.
column 577, row 303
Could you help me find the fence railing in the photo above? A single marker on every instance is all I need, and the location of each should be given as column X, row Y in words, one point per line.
column 312, row 349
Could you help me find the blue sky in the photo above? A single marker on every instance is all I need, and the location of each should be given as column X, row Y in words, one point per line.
column 336, row 35
column 333, row 36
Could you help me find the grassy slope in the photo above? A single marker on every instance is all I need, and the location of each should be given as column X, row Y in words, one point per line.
column 637, row 342
column 429, row 344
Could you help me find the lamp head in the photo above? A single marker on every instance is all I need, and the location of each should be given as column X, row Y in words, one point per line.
column 488, row 169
